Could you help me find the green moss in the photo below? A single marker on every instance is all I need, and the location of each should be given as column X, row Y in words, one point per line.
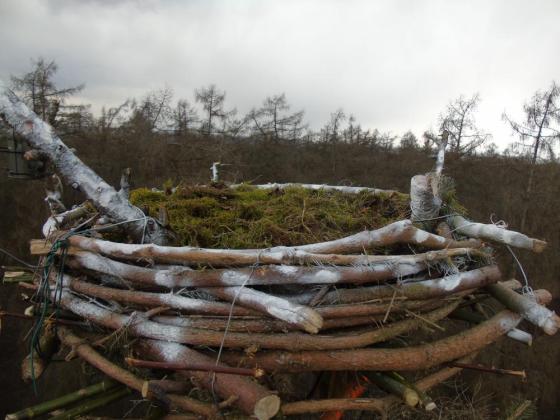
column 248, row 217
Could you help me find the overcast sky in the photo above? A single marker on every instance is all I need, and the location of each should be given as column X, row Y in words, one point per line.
column 393, row 64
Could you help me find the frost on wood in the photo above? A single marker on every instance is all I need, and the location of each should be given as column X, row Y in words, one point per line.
column 42, row 137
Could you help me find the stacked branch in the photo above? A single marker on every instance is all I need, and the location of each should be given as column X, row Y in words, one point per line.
column 209, row 315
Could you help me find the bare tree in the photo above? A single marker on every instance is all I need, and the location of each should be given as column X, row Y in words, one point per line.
column 458, row 120
column 154, row 110
column 184, row 117
column 272, row 119
column 38, row 90
column 538, row 134
column 409, row 141
column 212, row 101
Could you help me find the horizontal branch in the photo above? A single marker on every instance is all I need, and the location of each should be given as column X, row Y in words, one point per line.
column 426, row 289
column 317, row 187
column 399, row 359
column 263, row 275
column 138, row 325
column 379, row 405
column 491, row 232
column 170, row 300
column 395, row 233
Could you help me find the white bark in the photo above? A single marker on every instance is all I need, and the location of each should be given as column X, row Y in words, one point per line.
column 527, row 307
column 521, row 336
column 424, row 204
column 398, row 232
column 318, row 187
column 42, row 137
column 491, row 232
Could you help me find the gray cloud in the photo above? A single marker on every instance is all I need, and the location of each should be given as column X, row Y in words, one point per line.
column 394, row 65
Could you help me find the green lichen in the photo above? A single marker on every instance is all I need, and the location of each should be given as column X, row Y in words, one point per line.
column 248, row 217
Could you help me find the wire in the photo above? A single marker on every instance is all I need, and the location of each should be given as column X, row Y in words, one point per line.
column 17, row 259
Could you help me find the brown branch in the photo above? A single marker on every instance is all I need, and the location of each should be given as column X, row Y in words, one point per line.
column 400, row 359
column 203, row 367
column 139, row 326
column 86, row 352
column 253, row 398
column 379, row 405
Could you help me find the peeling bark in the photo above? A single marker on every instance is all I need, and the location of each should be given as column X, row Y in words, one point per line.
column 426, row 289
column 318, row 187
column 263, row 275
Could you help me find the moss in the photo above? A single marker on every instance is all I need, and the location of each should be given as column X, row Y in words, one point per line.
column 247, row 217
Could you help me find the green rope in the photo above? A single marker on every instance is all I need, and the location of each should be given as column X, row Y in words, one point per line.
column 43, row 294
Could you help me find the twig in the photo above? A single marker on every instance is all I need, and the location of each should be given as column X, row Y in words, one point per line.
column 487, row 369
column 201, row 367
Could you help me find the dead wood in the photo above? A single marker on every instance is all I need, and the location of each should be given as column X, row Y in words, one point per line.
column 253, row 399
column 400, row 359
column 86, row 352
column 395, row 233
column 138, row 325
column 426, row 289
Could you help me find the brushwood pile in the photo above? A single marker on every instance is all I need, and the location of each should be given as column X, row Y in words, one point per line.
column 275, row 301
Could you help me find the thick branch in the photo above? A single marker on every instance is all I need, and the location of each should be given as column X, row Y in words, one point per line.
column 491, row 232
column 86, row 352
column 253, row 399
column 395, row 233
column 400, row 359
column 426, row 289
column 140, row 326
column 528, row 308
column 42, row 137
column 264, row 275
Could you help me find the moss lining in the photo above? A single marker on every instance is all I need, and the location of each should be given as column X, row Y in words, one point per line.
column 248, row 217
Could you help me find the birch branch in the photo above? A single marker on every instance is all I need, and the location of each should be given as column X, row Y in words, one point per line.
column 42, row 137
column 528, row 308
column 402, row 232
column 491, row 232
column 263, row 275
column 426, row 289
column 140, row 326
column 317, row 187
